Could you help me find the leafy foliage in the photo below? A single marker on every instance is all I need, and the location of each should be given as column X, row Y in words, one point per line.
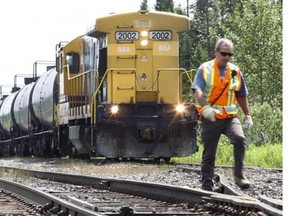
column 164, row 5
column 266, row 119
column 256, row 29
column 269, row 155
column 144, row 5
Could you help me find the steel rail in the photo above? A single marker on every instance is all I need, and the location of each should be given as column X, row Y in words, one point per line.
column 47, row 201
column 162, row 192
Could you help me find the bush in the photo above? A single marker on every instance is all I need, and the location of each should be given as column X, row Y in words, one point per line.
column 267, row 155
column 266, row 119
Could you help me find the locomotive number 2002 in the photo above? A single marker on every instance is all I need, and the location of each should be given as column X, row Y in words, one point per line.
column 126, row 35
column 160, row 35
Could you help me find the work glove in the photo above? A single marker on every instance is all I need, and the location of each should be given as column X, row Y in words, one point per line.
column 209, row 112
column 248, row 123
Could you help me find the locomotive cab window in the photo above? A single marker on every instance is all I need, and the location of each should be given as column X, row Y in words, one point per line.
column 73, row 61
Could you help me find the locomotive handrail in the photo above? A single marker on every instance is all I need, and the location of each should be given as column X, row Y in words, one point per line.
column 187, row 73
column 77, row 90
column 93, row 98
column 79, row 75
column 180, row 70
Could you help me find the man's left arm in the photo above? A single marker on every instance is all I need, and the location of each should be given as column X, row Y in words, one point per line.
column 243, row 103
column 242, row 99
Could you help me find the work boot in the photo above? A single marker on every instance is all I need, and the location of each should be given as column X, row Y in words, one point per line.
column 207, row 184
column 242, row 182
column 208, row 188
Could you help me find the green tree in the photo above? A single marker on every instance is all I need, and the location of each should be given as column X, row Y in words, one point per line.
column 164, row 5
column 144, row 5
column 256, row 29
column 206, row 28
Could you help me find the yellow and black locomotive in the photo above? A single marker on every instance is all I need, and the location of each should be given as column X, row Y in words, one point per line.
column 115, row 92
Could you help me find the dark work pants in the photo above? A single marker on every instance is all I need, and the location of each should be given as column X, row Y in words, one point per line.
column 210, row 134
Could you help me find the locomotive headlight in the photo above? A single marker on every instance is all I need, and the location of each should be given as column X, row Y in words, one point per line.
column 180, row 108
column 114, row 109
column 144, row 42
column 144, row 33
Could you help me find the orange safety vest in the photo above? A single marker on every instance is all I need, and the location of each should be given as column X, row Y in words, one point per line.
column 227, row 102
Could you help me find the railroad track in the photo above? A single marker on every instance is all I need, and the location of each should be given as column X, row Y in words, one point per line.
column 36, row 202
column 125, row 197
column 11, row 204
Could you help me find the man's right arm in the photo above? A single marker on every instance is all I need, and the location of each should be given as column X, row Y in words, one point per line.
column 199, row 97
column 197, row 87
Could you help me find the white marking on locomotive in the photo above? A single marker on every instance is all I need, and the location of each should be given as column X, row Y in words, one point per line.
column 123, row 49
column 164, row 48
column 144, row 58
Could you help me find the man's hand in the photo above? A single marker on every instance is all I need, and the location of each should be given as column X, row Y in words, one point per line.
column 209, row 113
column 248, row 123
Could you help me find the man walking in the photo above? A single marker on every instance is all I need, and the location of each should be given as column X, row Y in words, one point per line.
column 218, row 87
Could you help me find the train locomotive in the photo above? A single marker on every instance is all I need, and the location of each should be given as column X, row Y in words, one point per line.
column 115, row 92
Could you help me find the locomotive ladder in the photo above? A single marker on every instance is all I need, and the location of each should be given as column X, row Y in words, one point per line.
column 81, row 88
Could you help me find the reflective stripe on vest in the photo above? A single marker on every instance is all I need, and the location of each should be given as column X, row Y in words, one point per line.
column 226, row 103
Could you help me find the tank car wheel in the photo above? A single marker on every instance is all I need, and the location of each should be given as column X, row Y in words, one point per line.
column 12, row 152
column 157, row 160
column 84, row 156
column 26, row 151
column 112, row 160
column 166, row 160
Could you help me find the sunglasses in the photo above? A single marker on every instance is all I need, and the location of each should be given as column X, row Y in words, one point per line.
column 226, row 53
